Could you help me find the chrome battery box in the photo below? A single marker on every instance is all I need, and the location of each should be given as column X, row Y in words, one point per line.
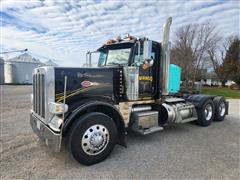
column 145, row 119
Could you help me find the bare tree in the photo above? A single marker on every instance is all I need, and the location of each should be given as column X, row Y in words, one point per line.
column 213, row 50
column 190, row 47
column 182, row 51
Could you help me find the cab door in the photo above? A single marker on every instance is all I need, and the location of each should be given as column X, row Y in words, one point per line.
column 147, row 75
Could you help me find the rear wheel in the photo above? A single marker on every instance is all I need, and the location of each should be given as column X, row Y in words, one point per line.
column 220, row 108
column 92, row 138
column 206, row 113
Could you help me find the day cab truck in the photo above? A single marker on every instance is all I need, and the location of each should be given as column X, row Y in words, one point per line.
column 92, row 109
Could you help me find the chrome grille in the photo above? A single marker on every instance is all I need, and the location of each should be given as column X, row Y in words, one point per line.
column 39, row 94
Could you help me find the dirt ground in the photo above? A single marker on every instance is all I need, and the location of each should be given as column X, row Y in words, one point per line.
column 183, row 151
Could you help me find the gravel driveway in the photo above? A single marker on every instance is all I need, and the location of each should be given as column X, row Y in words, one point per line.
column 183, row 151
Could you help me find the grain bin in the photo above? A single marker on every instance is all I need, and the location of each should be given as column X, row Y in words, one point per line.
column 18, row 70
column 8, row 72
column 1, row 71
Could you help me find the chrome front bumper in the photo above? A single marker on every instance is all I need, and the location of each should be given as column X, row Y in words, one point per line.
column 52, row 139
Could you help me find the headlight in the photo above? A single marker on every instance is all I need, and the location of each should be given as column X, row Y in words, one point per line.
column 57, row 108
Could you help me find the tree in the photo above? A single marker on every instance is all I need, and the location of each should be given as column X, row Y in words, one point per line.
column 214, row 50
column 221, row 57
column 224, row 56
column 232, row 61
column 190, row 47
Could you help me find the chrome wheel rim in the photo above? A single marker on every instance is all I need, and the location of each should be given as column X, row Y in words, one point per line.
column 95, row 139
column 208, row 112
column 222, row 108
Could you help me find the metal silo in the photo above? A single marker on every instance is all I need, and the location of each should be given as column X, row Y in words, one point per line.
column 1, row 71
column 18, row 70
column 50, row 63
column 8, row 72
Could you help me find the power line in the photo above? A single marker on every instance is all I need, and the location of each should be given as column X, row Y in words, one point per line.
column 31, row 53
column 7, row 52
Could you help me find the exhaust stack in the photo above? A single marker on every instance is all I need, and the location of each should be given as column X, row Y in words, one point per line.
column 165, row 57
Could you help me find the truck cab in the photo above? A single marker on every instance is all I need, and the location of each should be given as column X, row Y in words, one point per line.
column 129, row 52
column 94, row 108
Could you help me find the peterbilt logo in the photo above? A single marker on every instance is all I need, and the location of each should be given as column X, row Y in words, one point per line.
column 88, row 83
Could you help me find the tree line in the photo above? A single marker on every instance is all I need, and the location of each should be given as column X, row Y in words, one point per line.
column 200, row 48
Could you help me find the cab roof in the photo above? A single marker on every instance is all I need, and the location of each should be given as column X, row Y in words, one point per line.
column 126, row 41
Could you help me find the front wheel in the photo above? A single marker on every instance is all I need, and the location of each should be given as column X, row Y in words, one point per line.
column 206, row 113
column 92, row 138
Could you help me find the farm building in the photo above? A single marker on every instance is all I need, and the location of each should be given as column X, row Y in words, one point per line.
column 1, row 71
column 50, row 63
column 18, row 70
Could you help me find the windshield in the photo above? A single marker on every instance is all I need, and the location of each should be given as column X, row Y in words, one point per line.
column 114, row 57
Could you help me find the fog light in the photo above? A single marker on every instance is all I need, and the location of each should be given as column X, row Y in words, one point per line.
column 57, row 108
column 56, row 123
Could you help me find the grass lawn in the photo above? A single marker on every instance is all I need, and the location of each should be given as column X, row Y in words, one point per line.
column 226, row 92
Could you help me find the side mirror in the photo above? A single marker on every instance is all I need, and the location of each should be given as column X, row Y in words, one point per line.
column 147, row 54
column 147, row 50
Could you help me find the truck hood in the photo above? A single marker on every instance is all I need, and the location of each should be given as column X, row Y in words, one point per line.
column 85, row 83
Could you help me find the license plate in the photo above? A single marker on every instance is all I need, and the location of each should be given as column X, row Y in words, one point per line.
column 38, row 125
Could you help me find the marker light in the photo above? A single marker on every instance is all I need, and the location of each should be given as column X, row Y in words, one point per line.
column 57, row 108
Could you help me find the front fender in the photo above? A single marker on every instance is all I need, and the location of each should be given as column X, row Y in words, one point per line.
column 97, row 106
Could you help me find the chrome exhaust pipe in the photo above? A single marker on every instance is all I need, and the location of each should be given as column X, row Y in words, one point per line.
column 165, row 57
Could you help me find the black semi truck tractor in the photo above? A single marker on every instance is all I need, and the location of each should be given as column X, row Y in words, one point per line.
column 92, row 109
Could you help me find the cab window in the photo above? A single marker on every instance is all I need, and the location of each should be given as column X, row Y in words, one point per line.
column 115, row 55
column 118, row 56
column 138, row 59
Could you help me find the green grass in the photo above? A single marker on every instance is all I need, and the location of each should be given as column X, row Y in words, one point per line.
column 226, row 92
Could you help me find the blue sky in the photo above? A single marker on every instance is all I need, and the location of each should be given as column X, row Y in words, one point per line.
column 66, row 30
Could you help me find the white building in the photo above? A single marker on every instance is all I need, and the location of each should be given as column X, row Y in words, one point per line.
column 50, row 63
column 214, row 82
column 18, row 70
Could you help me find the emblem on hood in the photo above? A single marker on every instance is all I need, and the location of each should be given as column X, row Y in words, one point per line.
column 88, row 83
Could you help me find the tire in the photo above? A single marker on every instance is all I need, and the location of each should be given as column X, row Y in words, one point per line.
column 92, row 138
column 220, row 108
column 206, row 113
